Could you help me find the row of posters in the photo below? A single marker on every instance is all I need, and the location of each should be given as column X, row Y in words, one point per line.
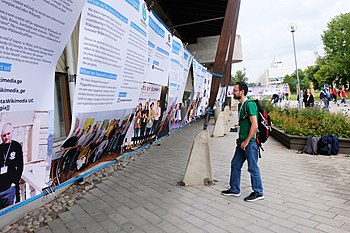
column 131, row 77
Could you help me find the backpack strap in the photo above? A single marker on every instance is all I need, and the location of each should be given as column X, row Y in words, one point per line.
column 245, row 109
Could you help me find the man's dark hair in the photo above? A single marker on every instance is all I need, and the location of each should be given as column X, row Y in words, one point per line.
column 243, row 86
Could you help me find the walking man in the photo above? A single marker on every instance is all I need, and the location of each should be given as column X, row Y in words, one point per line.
column 247, row 148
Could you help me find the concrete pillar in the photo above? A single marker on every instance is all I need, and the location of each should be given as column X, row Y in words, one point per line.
column 220, row 126
column 217, row 110
column 198, row 170
column 227, row 114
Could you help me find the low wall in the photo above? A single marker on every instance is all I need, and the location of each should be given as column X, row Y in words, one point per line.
column 298, row 142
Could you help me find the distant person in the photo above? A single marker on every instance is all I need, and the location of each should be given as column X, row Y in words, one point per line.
column 334, row 95
column 275, row 99
column 11, row 163
column 325, row 96
column 308, row 99
column 247, row 148
column 343, row 96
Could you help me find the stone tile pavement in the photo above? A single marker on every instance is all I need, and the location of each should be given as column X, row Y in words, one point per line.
column 303, row 193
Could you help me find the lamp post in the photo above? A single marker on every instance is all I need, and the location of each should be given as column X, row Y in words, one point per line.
column 292, row 29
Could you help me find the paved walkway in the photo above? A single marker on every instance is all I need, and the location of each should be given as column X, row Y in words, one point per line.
column 303, row 193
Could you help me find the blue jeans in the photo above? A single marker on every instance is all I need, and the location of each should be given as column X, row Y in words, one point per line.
column 240, row 156
column 7, row 197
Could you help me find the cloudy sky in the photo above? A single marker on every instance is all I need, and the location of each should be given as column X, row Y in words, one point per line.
column 263, row 26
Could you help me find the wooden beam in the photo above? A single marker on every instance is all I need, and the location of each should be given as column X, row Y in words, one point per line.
column 231, row 15
column 231, row 50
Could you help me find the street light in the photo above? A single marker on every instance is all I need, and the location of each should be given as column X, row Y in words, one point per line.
column 292, row 28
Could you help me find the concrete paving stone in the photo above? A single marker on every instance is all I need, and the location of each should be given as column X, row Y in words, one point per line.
column 160, row 212
column 90, row 208
column 278, row 221
column 303, row 221
column 45, row 229
column 110, row 226
column 346, row 227
column 150, row 228
column 174, row 220
column 129, row 227
column 100, row 217
column 327, row 228
column 66, row 216
column 73, row 225
column 58, row 226
column 92, row 227
column 101, row 231
column 259, row 214
column 79, row 231
column 278, row 229
column 327, row 214
column 168, row 227
column 195, row 221
column 254, row 228
column 304, row 229
column 329, row 221
column 277, row 213
column 209, row 227
column 299, row 213
column 188, row 227
column 149, row 216
column 118, row 218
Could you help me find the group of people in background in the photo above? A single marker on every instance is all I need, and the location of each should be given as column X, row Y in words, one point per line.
column 307, row 98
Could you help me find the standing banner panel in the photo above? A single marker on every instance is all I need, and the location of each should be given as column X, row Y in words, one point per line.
column 159, row 49
column 111, row 68
column 32, row 37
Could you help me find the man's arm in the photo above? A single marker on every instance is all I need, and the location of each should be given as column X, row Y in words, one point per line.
column 252, row 131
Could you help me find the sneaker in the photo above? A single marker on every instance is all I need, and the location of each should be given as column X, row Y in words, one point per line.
column 228, row 192
column 254, row 197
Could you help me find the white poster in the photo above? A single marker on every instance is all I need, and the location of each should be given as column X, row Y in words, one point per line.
column 176, row 69
column 32, row 37
column 198, row 76
column 186, row 63
column 112, row 55
column 159, row 49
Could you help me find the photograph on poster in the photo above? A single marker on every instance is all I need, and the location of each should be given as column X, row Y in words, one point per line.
column 96, row 137
column 23, row 155
column 147, row 116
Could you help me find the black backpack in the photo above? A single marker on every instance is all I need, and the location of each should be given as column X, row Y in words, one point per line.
column 264, row 124
column 328, row 145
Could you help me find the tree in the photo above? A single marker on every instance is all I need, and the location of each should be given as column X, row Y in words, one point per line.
column 292, row 80
column 240, row 76
column 336, row 41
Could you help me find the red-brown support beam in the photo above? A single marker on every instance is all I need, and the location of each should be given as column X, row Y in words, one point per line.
column 230, row 24
column 231, row 50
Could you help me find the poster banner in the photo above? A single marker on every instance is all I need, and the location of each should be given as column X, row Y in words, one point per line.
column 179, row 113
column 32, row 38
column 198, row 78
column 112, row 56
column 147, row 117
column 111, row 67
column 176, row 70
column 159, row 49
column 186, row 63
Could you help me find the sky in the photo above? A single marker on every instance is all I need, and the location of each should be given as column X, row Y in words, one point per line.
column 264, row 29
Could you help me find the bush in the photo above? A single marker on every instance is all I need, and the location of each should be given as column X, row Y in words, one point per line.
column 309, row 121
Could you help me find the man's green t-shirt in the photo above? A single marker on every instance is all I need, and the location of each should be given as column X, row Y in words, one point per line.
column 244, row 124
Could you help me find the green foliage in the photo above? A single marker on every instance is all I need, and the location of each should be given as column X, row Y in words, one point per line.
column 336, row 41
column 240, row 76
column 310, row 121
column 292, row 80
